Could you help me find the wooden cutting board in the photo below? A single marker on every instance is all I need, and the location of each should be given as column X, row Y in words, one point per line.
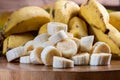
column 17, row 71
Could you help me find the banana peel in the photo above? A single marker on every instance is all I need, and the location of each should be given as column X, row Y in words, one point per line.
column 26, row 19
column 16, row 40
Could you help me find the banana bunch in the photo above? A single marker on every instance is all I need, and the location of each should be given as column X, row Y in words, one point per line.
column 20, row 23
column 97, row 17
column 56, row 48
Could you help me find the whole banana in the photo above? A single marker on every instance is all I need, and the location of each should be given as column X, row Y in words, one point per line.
column 63, row 10
column 95, row 14
column 115, row 19
column 26, row 19
column 78, row 27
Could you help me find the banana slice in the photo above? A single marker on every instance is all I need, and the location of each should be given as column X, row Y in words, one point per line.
column 15, row 53
column 29, row 46
column 35, row 55
column 47, row 43
column 86, row 43
column 40, row 39
column 25, row 59
column 48, row 53
column 101, row 47
column 60, row 62
column 68, row 47
column 77, row 41
column 81, row 59
column 59, row 36
column 100, row 59
column 54, row 27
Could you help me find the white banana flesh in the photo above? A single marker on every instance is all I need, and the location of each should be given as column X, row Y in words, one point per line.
column 59, row 36
column 60, row 62
column 86, row 43
column 25, row 59
column 35, row 56
column 29, row 46
column 81, row 59
column 54, row 27
column 67, row 47
column 101, row 47
column 100, row 59
column 48, row 53
column 15, row 53
column 40, row 39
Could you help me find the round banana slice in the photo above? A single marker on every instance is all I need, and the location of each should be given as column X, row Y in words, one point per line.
column 35, row 57
column 101, row 47
column 81, row 59
column 59, row 36
column 54, row 27
column 25, row 59
column 100, row 59
column 40, row 39
column 68, row 47
column 86, row 43
column 48, row 53
column 29, row 46
column 77, row 41
column 15, row 53
column 60, row 62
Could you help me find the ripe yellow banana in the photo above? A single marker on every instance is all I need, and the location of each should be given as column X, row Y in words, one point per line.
column 16, row 40
column 78, row 27
column 114, row 34
column 43, row 29
column 26, row 19
column 100, row 36
column 95, row 14
column 63, row 10
column 115, row 19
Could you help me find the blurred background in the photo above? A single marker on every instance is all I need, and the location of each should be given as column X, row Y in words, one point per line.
column 11, row 5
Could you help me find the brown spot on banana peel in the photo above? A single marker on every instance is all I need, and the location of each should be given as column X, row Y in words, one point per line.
column 53, row 13
column 87, row 2
column 107, row 31
column 65, row 6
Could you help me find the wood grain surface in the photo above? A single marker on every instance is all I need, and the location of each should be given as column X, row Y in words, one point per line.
column 17, row 71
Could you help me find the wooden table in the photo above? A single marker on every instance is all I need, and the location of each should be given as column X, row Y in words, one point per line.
column 17, row 71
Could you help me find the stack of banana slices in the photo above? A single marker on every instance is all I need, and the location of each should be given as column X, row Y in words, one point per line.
column 59, row 49
column 68, row 35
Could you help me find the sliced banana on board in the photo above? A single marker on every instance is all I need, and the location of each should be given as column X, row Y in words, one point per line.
column 101, row 47
column 40, row 39
column 54, row 27
column 61, row 62
column 35, row 55
column 100, row 59
column 81, row 59
column 59, row 36
column 48, row 53
column 67, row 47
column 25, row 59
column 15, row 53
column 86, row 43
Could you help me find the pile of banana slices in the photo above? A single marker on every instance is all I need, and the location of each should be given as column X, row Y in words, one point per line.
column 58, row 48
